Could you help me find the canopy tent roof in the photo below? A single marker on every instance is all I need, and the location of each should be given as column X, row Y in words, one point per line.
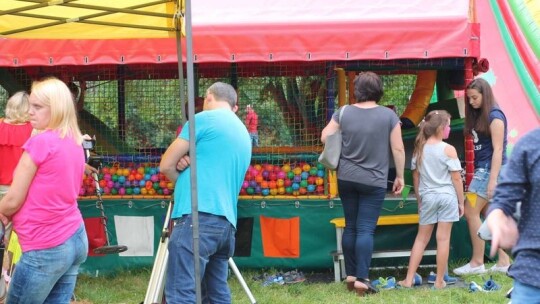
column 82, row 32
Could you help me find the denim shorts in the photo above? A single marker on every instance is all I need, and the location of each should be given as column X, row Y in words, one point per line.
column 480, row 182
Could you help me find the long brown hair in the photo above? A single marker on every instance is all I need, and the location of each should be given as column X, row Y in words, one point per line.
column 478, row 119
column 433, row 122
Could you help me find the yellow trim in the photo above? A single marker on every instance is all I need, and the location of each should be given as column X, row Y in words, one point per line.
column 385, row 220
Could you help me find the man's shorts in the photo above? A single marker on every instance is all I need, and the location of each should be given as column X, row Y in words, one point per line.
column 440, row 207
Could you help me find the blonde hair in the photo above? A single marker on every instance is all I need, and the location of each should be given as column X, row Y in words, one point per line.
column 55, row 94
column 17, row 108
column 434, row 122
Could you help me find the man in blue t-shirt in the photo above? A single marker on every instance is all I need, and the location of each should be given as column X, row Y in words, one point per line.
column 223, row 156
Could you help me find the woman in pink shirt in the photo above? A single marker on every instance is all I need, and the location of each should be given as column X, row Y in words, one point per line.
column 42, row 201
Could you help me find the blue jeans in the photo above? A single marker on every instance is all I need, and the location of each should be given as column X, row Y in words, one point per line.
column 523, row 293
column 216, row 246
column 362, row 205
column 49, row 275
column 254, row 138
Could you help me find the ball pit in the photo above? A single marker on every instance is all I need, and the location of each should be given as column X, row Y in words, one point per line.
column 265, row 179
column 128, row 179
column 286, row 179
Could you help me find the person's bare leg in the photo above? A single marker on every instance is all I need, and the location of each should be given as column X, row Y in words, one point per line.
column 443, row 250
column 417, row 252
column 472, row 214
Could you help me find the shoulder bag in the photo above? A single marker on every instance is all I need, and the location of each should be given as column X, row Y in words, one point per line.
column 332, row 147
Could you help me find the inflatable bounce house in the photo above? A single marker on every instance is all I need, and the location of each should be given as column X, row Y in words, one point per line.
column 292, row 62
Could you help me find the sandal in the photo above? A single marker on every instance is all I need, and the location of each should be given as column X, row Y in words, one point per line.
column 363, row 291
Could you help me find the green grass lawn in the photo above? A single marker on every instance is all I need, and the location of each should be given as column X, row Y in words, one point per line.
column 130, row 287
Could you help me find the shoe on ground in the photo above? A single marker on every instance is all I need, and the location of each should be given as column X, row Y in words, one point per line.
column 491, row 285
column 474, row 287
column 417, row 281
column 294, row 276
column 388, row 283
column 273, row 280
column 447, row 279
column 502, row 269
column 467, row 269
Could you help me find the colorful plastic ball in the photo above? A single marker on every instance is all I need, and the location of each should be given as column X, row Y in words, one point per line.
column 259, row 178
column 82, row 191
column 287, row 183
column 320, row 166
column 265, row 174
column 159, row 191
column 127, row 184
column 288, row 190
column 122, row 191
column 148, row 185
column 166, row 191
column 250, row 190
column 144, row 191
column 258, row 189
column 156, row 186
column 269, row 167
column 170, row 186
column 265, row 191
column 114, row 178
column 272, row 176
column 163, row 184
column 103, row 183
column 303, row 183
column 297, row 178
column 312, row 180
column 138, row 176
column 142, row 183
column 313, row 171
column 136, row 190
column 252, row 184
column 280, row 183
column 264, row 184
column 153, row 171
column 245, row 184
column 297, row 171
column 110, row 184
column 281, row 190
column 242, row 191
column 304, row 175
column 107, row 177
column 147, row 176
column 129, row 191
column 121, row 179
column 311, row 188
column 274, row 191
column 257, row 167
column 272, row 185
column 152, row 191
column 295, row 186
column 320, row 173
column 140, row 170
column 281, row 175
column 302, row 191
column 319, row 181
column 154, row 178
column 106, row 190
column 306, row 167
column 290, row 175
column 114, row 191
column 286, row 168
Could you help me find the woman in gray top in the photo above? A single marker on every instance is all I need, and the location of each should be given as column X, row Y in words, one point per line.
column 370, row 134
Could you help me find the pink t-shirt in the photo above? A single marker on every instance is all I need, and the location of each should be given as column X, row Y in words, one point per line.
column 50, row 215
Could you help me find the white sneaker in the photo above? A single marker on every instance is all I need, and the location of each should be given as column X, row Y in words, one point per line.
column 467, row 269
column 496, row 268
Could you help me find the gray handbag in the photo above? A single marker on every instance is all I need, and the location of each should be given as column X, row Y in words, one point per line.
column 332, row 147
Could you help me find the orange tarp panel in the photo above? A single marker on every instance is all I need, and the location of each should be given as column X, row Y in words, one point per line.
column 280, row 237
